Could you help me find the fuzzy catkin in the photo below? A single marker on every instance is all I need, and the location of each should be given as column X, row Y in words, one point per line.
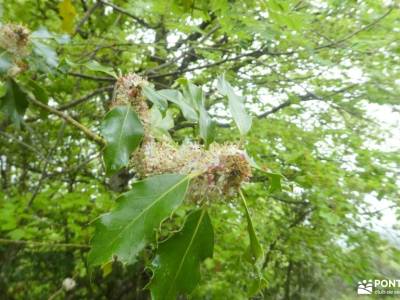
column 15, row 40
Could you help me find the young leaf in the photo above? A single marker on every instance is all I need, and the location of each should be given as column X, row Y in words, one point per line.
column 207, row 126
column 176, row 97
column 14, row 102
column 5, row 61
column 46, row 52
column 3, row 89
column 95, row 66
column 274, row 182
column 176, row 267
column 67, row 12
column 39, row 92
column 123, row 132
column 236, row 106
column 274, row 178
column 255, row 249
column 133, row 223
column 159, row 124
column 155, row 97
column 194, row 94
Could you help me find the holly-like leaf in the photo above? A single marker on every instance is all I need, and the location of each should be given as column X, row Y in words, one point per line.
column 14, row 102
column 255, row 250
column 176, row 267
column 123, row 132
column 236, row 105
column 125, row 231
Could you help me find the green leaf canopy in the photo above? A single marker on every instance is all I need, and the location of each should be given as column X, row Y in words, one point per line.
column 123, row 132
column 176, row 266
column 133, row 223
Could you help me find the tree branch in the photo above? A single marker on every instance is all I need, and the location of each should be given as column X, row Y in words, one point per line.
column 44, row 244
column 90, row 77
column 85, row 98
column 127, row 13
column 86, row 17
column 91, row 135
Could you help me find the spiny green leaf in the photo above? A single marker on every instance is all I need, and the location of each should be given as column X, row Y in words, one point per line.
column 123, row 132
column 14, row 103
column 236, row 106
column 126, row 230
column 176, row 267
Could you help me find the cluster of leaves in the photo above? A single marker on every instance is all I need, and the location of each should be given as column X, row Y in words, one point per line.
column 294, row 62
column 123, row 233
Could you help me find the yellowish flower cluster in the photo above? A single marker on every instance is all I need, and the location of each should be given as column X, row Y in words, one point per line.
column 220, row 169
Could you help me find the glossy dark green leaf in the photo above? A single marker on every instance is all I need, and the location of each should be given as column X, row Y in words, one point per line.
column 255, row 250
column 14, row 102
column 125, row 231
column 236, row 106
column 123, row 132
column 176, row 267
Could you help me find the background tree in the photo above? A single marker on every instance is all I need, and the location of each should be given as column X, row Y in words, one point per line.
column 311, row 72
